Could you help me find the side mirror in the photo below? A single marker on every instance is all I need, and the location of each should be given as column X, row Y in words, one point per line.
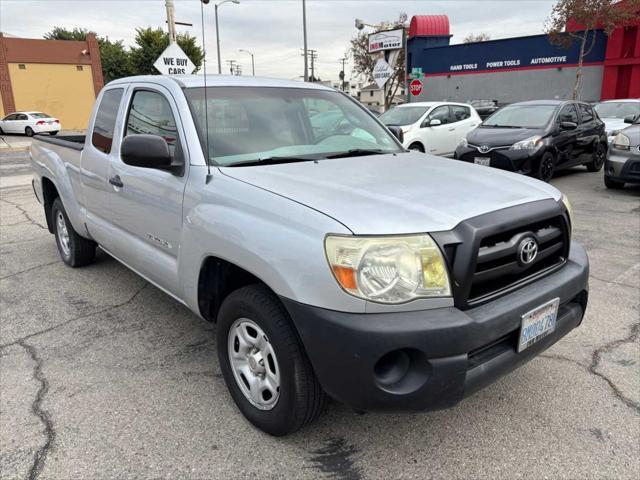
column 629, row 119
column 568, row 125
column 397, row 132
column 147, row 151
column 435, row 122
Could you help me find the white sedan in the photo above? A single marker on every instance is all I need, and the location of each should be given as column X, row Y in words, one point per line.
column 30, row 123
column 432, row 127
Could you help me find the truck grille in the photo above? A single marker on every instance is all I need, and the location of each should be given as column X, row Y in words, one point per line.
column 501, row 262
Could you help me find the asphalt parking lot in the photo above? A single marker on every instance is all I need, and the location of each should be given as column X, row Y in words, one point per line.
column 102, row 375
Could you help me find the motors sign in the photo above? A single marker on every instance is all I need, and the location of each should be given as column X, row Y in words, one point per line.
column 173, row 61
column 387, row 40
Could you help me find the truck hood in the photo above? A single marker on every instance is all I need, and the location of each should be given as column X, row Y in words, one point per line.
column 395, row 194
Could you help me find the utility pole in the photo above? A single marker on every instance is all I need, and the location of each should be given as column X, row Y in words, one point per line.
column 171, row 20
column 304, row 29
column 314, row 57
column 343, row 60
column 253, row 66
column 232, row 66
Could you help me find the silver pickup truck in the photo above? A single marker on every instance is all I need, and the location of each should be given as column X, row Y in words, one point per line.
column 334, row 262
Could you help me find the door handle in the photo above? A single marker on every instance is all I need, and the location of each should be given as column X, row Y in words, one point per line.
column 452, row 129
column 116, row 181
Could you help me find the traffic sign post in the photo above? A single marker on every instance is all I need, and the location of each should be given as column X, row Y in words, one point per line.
column 173, row 61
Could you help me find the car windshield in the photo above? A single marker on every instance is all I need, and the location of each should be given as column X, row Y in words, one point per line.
column 39, row 115
column 521, row 116
column 252, row 124
column 618, row 109
column 403, row 115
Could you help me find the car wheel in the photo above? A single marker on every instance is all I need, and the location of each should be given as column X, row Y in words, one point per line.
column 53, row 133
column 599, row 156
column 613, row 184
column 1, row 132
column 75, row 251
column 264, row 364
column 28, row 132
column 416, row 147
column 546, row 167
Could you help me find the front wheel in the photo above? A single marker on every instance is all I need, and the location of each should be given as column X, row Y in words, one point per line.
column 546, row 167
column 28, row 132
column 416, row 147
column 75, row 251
column 264, row 364
column 599, row 155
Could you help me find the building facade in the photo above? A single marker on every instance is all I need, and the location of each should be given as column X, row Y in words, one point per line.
column 523, row 68
column 59, row 77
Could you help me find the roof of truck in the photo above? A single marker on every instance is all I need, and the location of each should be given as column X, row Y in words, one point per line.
column 188, row 81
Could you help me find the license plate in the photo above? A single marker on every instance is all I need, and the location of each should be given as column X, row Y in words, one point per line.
column 486, row 161
column 538, row 323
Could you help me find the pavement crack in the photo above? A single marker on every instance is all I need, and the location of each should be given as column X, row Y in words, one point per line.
column 36, row 408
column 28, row 270
column 612, row 282
column 24, row 213
column 74, row 319
column 596, row 357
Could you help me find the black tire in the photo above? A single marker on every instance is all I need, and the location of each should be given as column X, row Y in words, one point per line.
column 53, row 133
column 416, row 147
column 599, row 156
column 29, row 132
column 613, row 184
column 1, row 132
column 546, row 167
column 301, row 398
column 79, row 251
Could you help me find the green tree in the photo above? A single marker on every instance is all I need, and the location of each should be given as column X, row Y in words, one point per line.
column 151, row 42
column 363, row 61
column 115, row 60
column 61, row 33
column 589, row 15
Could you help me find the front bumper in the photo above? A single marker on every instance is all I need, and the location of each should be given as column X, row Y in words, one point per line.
column 623, row 167
column 519, row 161
column 432, row 359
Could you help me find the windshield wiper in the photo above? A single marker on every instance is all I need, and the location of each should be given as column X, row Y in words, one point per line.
column 271, row 161
column 358, row 152
column 503, row 126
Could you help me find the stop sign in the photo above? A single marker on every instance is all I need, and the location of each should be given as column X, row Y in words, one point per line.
column 415, row 87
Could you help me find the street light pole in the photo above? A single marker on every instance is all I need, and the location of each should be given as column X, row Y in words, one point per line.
column 218, row 28
column 171, row 20
column 253, row 68
column 304, row 29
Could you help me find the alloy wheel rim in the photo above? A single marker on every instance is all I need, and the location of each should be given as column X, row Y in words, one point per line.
column 600, row 155
column 63, row 234
column 254, row 364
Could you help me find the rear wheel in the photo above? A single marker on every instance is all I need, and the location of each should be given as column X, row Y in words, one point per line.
column 75, row 251
column 599, row 156
column 416, row 147
column 613, row 184
column 546, row 167
column 28, row 132
column 264, row 364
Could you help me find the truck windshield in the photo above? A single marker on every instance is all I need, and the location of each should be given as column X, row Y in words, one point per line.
column 521, row 116
column 402, row 115
column 250, row 124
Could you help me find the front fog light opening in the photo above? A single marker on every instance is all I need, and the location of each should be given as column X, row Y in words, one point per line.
column 402, row 371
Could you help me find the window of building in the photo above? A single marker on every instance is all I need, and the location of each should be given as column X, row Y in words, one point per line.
column 79, row 68
column 105, row 122
column 371, row 93
column 22, row 66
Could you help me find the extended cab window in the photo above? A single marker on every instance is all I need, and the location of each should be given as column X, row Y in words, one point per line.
column 102, row 136
column 568, row 114
column 150, row 113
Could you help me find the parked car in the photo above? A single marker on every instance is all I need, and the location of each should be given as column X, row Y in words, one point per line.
column 537, row 138
column 614, row 113
column 432, row 127
column 623, row 162
column 30, row 123
column 485, row 108
column 335, row 265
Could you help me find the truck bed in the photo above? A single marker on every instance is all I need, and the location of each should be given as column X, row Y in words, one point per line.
column 75, row 142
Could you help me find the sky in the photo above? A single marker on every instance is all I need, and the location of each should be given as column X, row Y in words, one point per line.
column 271, row 29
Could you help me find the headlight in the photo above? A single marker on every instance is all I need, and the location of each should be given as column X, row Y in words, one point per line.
column 621, row 142
column 532, row 143
column 463, row 142
column 388, row 269
column 569, row 207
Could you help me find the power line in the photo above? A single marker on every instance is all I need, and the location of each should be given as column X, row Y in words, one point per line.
column 232, row 66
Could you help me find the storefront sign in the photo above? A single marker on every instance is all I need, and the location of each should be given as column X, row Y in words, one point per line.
column 387, row 40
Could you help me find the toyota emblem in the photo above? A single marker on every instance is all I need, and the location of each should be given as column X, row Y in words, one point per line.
column 484, row 148
column 527, row 251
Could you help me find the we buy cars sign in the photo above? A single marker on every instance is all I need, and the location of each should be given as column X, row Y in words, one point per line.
column 415, row 87
column 173, row 61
